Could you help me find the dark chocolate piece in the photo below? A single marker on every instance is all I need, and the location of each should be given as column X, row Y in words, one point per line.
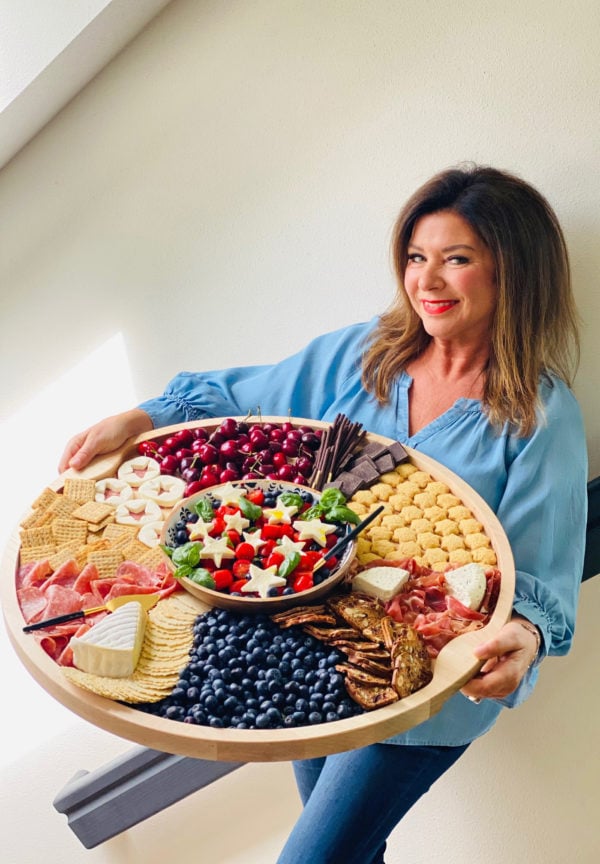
column 385, row 463
column 397, row 452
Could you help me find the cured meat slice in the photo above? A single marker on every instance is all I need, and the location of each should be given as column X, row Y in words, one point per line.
column 32, row 601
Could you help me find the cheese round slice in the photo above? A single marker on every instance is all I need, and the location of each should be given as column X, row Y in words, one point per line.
column 137, row 511
column 113, row 491
column 139, row 469
column 112, row 647
column 164, row 490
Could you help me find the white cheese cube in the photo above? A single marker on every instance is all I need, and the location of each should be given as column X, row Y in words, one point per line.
column 112, row 646
column 381, row 582
column 468, row 584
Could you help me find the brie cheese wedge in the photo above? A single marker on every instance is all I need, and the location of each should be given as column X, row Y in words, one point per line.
column 112, row 647
column 381, row 582
column 468, row 584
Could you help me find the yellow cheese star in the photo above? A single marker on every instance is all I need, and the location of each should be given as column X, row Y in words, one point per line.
column 280, row 514
column 314, row 529
column 261, row 581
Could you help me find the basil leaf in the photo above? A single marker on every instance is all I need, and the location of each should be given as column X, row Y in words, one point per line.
column 249, row 510
column 203, row 577
column 288, row 565
column 204, row 509
column 185, row 570
column 314, row 512
column 332, row 498
column 188, row 554
column 342, row 514
column 291, row 499
column 167, row 549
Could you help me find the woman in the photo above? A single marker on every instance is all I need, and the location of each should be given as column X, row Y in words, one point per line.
column 471, row 365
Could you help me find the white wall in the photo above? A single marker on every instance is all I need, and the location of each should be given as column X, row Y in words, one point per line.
column 225, row 189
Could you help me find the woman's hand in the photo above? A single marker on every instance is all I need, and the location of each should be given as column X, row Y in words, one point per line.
column 103, row 437
column 507, row 658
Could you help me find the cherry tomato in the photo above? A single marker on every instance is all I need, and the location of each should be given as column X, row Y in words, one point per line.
column 240, row 568
column 238, row 585
column 303, row 580
column 218, row 527
column 245, row 551
column 309, row 559
column 272, row 532
column 223, row 579
column 274, row 559
column 256, row 496
column 234, row 537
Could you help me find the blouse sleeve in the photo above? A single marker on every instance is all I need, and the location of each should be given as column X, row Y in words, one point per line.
column 302, row 385
column 543, row 512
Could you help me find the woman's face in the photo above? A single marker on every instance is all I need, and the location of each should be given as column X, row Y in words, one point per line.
column 450, row 280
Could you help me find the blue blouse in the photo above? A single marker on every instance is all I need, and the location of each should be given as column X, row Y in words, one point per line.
column 535, row 485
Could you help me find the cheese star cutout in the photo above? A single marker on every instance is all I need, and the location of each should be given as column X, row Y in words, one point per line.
column 199, row 530
column 217, row 549
column 254, row 539
column 287, row 545
column 229, row 494
column 280, row 513
column 261, row 581
column 313, row 529
column 236, row 522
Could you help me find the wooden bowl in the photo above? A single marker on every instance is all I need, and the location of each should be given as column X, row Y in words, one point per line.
column 240, row 603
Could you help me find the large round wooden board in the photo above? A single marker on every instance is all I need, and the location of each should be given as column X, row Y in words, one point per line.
column 454, row 666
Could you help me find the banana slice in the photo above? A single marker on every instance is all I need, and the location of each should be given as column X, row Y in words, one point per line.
column 165, row 490
column 137, row 511
column 149, row 534
column 139, row 469
column 113, row 491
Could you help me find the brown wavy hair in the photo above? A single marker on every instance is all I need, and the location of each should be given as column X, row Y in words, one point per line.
column 534, row 329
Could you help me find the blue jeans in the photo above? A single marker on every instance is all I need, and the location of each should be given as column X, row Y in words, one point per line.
column 352, row 801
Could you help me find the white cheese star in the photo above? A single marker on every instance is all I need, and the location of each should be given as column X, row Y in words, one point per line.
column 217, row 549
column 199, row 530
column 280, row 513
column 288, row 545
column 254, row 539
column 236, row 522
column 229, row 494
column 261, row 581
column 313, row 529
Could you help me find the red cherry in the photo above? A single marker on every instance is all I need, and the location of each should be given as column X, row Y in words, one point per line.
column 277, row 434
column 183, row 453
column 147, row 448
column 169, row 465
column 184, row 437
column 304, row 465
column 259, row 439
column 228, row 428
column 208, row 454
column 279, row 459
column 299, row 478
column 290, row 448
column 192, row 488
column 227, row 475
column 163, row 451
column 286, row 472
column 229, row 449
column 200, row 434
column 287, row 427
